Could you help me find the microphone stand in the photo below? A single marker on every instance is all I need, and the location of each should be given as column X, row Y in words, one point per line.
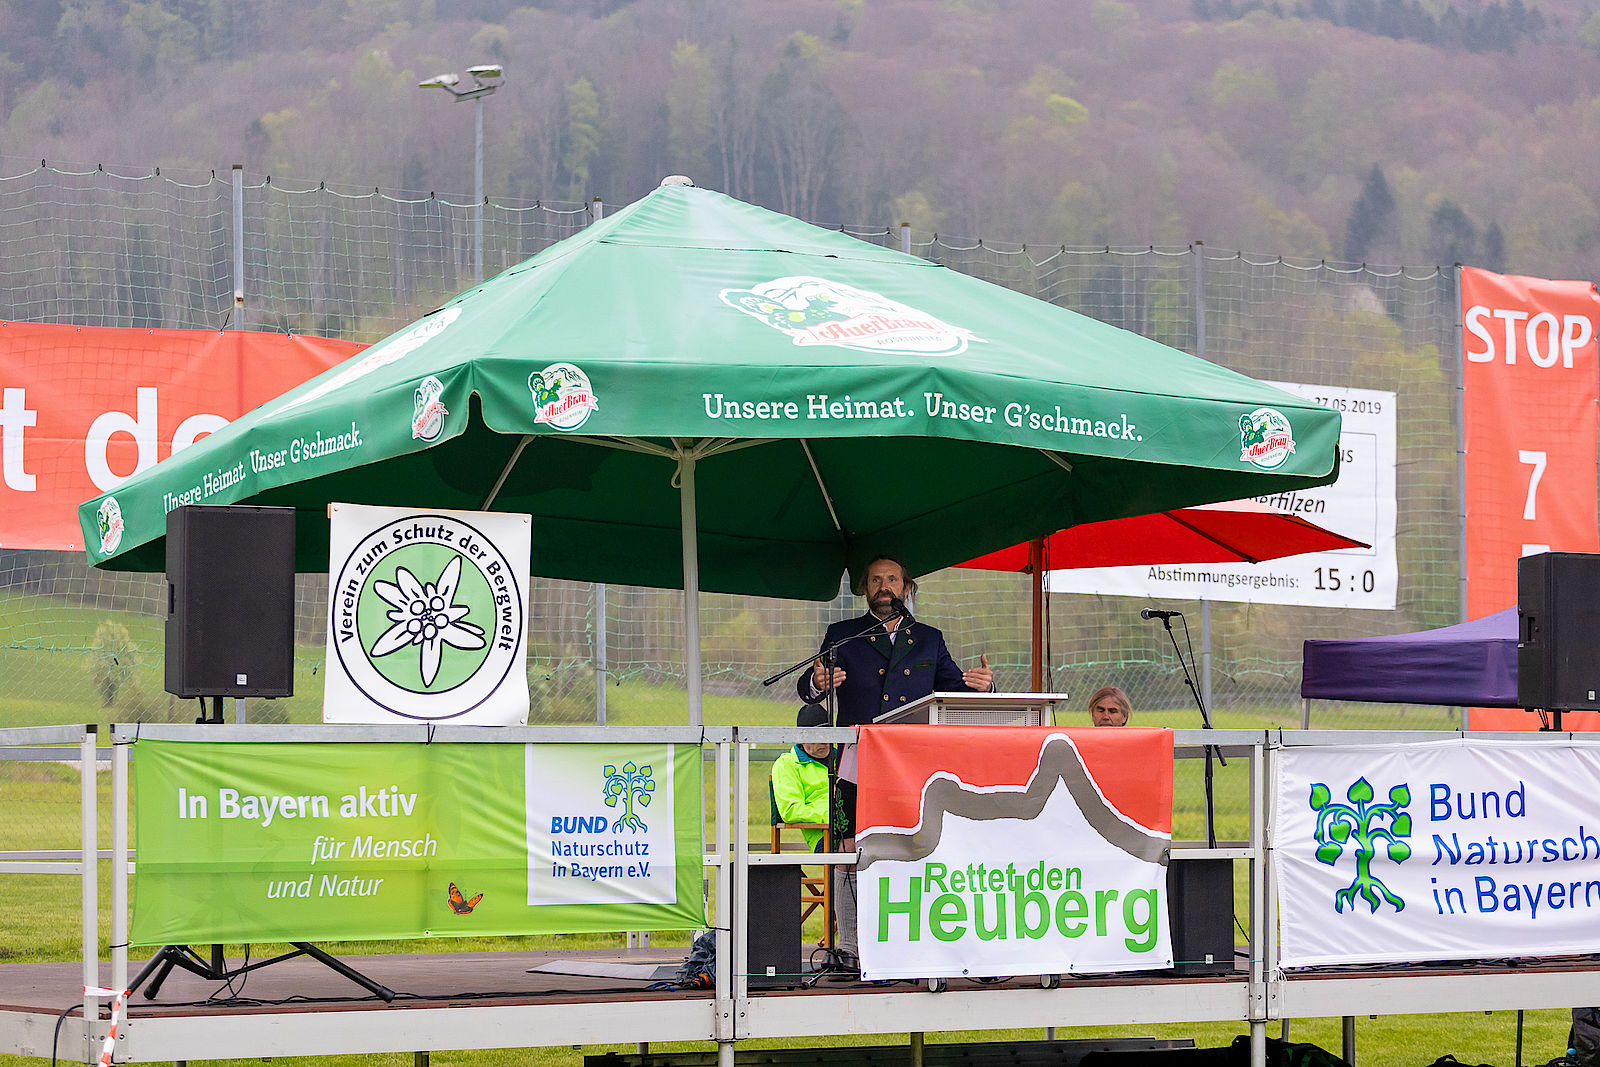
column 1205, row 723
column 826, row 655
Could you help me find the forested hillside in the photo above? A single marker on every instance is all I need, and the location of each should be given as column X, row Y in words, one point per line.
column 1387, row 131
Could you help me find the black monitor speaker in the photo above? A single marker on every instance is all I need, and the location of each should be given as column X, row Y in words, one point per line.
column 1558, row 635
column 773, row 928
column 230, row 601
column 1200, row 898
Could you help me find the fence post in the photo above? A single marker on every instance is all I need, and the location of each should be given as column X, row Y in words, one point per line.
column 1200, row 350
column 600, row 653
column 1459, row 381
column 597, row 211
column 1458, row 373
column 238, row 246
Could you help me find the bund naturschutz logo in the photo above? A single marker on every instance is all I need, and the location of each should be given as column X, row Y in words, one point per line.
column 1362, row 825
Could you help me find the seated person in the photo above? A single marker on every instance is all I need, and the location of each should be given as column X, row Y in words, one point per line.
column 1109, row 706
column 800, row 778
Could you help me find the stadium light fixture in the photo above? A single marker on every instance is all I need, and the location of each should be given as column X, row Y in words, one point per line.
column 486, row 78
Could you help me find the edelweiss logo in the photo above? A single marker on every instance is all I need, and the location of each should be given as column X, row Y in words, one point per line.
column 110, row 520
column 631, row 786
column 427, row 412
column 1339, row 824
column 562, row 396
column 814, row 311
column 1265, row 438
column 427, row 605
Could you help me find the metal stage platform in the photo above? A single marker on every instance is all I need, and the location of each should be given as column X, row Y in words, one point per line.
column 491, row 1000
column 448, row 1001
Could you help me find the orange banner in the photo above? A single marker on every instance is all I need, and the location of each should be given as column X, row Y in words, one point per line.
column 1530, row 367
column 1131, row 767
column 82, row 408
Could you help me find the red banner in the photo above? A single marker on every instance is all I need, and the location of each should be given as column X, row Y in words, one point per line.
column 1132, row 768
column 83, row 408
column 1530, row 367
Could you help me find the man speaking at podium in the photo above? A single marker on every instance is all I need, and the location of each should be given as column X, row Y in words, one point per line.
column 892, row 659
column 888, row 660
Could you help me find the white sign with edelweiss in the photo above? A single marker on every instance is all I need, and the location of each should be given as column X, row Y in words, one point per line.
column 427, row 616
column 1360, row 505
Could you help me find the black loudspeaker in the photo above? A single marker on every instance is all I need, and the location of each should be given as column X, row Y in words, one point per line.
column 230, row 601
column 1558, row 636
column 1200, row 907
column 773, row 929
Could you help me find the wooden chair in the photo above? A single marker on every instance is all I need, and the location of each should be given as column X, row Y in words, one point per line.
column 816, row 890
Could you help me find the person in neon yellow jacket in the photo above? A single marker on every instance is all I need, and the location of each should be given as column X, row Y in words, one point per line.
column 800, row 778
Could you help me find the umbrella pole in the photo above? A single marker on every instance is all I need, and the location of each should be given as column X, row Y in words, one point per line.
column 1036, row 566
column 691, row 584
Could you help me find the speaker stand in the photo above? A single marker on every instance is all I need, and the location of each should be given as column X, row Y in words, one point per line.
column 215, row 718
column 216, row 969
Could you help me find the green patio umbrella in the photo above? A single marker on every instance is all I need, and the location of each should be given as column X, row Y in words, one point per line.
column 700, row 392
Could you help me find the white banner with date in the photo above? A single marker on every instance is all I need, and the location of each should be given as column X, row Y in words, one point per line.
column 1361, row 505
column 1447, row 850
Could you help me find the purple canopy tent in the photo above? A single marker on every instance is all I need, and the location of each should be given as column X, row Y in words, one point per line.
column 1471, row 664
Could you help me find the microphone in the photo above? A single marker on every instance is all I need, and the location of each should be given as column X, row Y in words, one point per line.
column 1157, row 613
column 898, row 606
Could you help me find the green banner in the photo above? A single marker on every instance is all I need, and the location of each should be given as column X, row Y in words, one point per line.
column 255, row 842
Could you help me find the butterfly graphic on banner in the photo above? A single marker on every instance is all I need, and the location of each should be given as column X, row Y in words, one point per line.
column 460, row 904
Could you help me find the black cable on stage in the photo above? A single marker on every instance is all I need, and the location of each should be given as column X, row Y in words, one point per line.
column 55, row 1040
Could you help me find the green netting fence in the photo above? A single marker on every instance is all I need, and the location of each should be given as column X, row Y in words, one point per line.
column 88, row 246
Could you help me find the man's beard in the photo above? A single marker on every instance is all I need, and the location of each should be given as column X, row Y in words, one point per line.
column 881, row 605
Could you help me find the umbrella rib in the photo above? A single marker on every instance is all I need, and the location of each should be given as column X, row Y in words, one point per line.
column 627, row 444
column 1192, row 528
column 506, row 471
column 730, row 444
column 827, row 498
column 1057, row 460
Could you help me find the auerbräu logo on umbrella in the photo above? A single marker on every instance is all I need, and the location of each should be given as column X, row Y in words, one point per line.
column 815, row 311
column 562, row 396
column 428, row 411
column 109, row 518
column 1265, row 438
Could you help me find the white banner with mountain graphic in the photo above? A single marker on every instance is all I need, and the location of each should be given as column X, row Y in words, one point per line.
column 1004, row 850
column 1459, row 849
column 427, row 616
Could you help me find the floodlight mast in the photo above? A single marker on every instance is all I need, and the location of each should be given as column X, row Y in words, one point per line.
column 486, row 78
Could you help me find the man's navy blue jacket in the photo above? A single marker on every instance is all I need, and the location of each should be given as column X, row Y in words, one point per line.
column 881, row 676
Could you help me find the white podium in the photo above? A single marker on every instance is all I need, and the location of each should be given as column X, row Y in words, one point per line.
column 979, row 709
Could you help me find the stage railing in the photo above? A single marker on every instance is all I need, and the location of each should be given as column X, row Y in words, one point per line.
column 1253, row 996
column 728, row 858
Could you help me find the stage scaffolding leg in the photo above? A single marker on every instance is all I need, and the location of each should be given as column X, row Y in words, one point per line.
column 89, row 841
column 724, row 874
column 1258, row 1043
column 1349, row 1047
